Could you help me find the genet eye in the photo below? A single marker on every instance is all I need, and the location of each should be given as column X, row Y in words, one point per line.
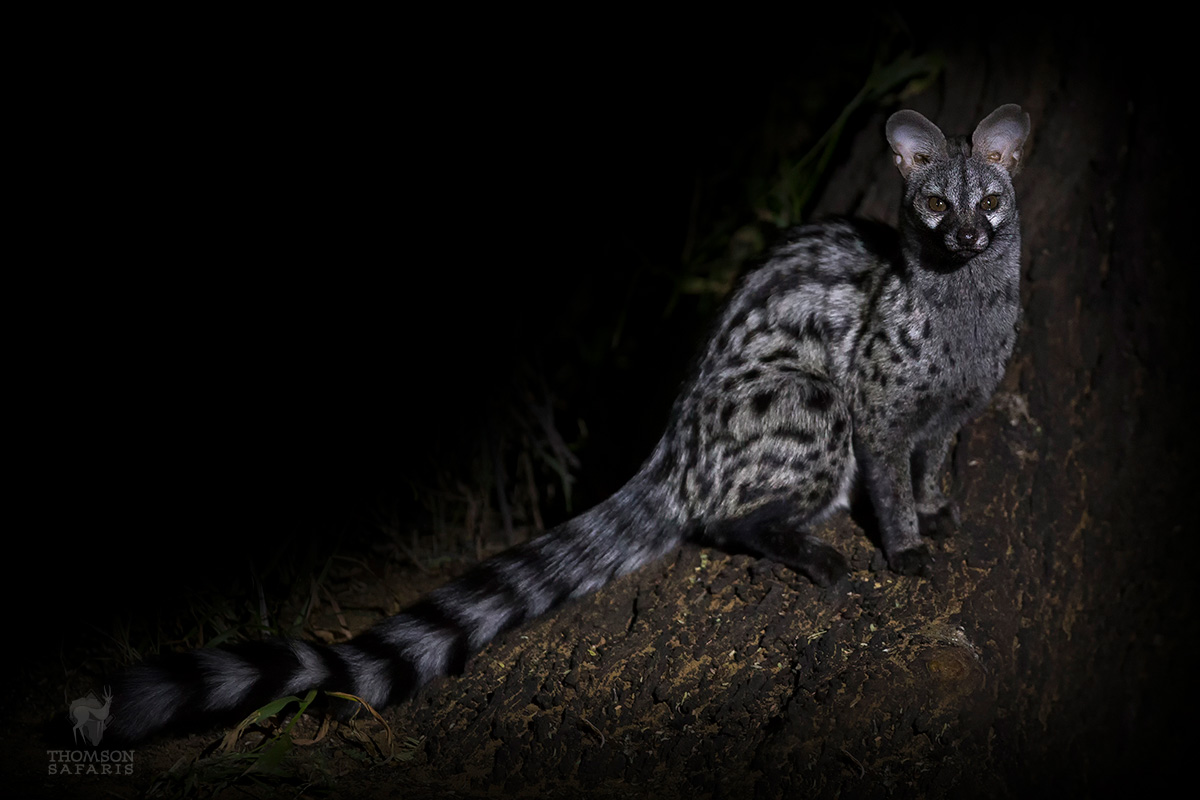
column 990, row 203
column 936, row 203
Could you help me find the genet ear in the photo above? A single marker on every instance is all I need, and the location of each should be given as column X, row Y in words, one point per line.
column 1000, row 138
column 915, row 140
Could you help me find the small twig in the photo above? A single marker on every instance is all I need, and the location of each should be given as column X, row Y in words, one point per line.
column 534, row 502
column 594, row 729
column 857, row 763
column 337, row 612
column 411, row 553
column 387, row 729
column 500, row 480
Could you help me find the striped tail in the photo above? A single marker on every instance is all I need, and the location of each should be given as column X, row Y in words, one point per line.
column 395, row 658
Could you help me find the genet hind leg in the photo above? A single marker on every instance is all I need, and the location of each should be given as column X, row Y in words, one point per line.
column 776, row 459
column 771, row 531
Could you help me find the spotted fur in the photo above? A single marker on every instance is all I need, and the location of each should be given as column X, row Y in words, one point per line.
column 855, row 350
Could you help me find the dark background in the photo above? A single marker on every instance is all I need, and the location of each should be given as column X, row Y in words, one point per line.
column 285, row 288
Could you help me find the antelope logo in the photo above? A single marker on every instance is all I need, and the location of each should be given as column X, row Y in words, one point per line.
column 90, row 716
